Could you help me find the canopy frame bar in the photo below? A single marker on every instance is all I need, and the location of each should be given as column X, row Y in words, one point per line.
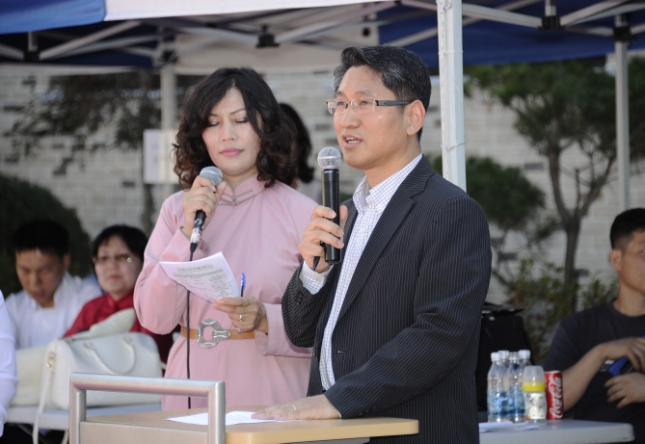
column 315, row 28
column 432, row 32
column 590, row 11
column 91, row 38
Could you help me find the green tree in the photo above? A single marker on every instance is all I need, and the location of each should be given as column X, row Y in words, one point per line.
column 547, row 299
column 82, row 106
column 22, row 202
column 568, row 105
column 512, row 203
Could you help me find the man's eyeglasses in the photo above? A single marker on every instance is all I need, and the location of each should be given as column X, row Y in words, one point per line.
column 360, row 106
column 119, row 259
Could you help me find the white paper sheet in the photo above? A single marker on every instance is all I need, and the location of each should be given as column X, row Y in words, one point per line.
column 232, row 418
column 209, row 278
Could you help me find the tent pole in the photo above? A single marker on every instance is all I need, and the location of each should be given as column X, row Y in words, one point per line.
column 451, row 82
column 168, row 121
column 622, row 120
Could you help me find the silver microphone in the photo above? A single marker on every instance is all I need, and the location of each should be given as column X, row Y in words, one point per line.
column 215, row 176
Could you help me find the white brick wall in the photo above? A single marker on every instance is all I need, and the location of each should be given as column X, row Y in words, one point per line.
column 97, row 193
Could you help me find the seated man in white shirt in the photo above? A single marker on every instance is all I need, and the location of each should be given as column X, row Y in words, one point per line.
column 51, row 298
column 8, row 378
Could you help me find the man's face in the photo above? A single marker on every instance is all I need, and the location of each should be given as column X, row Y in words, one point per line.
column 375, row 141
column 40, row 274
column 630, row 264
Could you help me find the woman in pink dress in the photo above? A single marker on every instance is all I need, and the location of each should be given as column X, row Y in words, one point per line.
column 232, row 121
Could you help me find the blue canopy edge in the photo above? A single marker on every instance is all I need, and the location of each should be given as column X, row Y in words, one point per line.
column 37, row 15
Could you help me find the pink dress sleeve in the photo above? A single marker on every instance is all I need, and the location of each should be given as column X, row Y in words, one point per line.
column 157, row 298
column 277, row 342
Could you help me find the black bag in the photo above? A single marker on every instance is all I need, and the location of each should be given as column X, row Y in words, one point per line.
column 501, row 329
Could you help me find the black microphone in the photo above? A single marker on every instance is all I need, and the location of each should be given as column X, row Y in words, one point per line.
column 329, row 160
column 213, row 174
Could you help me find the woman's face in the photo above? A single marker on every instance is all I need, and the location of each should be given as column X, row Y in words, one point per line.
column 117, row 268
column 232, row 143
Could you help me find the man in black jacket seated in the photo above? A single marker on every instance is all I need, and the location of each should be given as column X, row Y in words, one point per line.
column 395, row 326
column 588, row 342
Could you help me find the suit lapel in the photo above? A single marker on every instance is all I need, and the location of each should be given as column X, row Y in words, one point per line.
column 352, row 213
column 394, row 214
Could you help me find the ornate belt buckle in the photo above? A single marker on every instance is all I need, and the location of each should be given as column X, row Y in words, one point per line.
column 219, row 333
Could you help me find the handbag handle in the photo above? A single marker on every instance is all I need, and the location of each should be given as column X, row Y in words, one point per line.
column 128, row 341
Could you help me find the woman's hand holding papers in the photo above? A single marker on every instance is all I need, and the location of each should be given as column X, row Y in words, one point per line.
column 246, row 313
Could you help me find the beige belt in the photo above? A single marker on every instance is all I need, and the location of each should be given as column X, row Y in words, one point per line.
column 234, row 334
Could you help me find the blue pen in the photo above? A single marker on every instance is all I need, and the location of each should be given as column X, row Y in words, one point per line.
column 242, row 287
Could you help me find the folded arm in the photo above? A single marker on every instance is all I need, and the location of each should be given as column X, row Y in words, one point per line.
column 576, row 378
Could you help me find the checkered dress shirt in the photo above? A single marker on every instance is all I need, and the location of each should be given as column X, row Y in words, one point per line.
column 370, row 205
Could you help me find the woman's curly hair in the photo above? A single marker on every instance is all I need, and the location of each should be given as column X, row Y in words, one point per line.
column 275, row 160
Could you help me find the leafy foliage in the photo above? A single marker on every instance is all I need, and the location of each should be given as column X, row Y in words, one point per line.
column 22, row 202
column 80, row 106
column 108, row 111
column 511, row 202
column 564, row 105
column 547, row 299
column 509, row 199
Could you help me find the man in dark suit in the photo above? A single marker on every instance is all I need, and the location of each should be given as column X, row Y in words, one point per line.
column 394, row 327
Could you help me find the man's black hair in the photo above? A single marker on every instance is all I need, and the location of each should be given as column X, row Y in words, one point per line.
column 134, row 238
column 624, row 226
column 44, row 235
column 401, row 71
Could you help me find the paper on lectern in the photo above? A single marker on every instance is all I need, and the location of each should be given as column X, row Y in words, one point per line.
column 232, row 418
column 209, row 278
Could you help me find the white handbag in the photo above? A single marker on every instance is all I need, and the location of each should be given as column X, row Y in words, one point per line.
column 31, row 361
column 132, row 354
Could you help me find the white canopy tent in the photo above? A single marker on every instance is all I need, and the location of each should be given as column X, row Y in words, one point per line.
column 325, row 54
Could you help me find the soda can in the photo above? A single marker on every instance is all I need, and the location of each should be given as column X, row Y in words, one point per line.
column 554, row 403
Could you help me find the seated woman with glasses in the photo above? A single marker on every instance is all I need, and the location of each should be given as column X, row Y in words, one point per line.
column 117, row 254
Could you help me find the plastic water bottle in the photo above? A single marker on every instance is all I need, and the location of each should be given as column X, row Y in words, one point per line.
column 525, row 357
column 515, row 390
column 504, row 354
column 496, row 394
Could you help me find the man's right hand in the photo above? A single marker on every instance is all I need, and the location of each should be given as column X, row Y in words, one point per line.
column 632, row 348
column 321, row 229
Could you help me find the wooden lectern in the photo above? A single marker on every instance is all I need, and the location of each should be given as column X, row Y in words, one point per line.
column 153, row 428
